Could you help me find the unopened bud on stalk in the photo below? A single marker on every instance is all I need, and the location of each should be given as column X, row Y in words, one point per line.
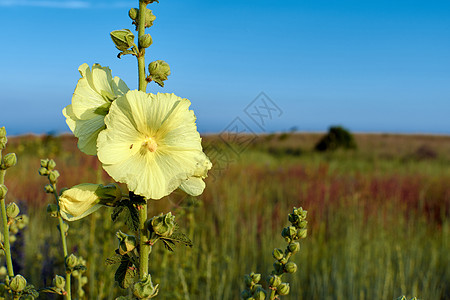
column 133, row 13
column 9, row 160
column 44, row 163
column 43, row 171
column 302, row 233
column 274, row 280
column 49, row 188
column 260, row 293
column 278, row 254
column 59, row 282
column 255, row 277
column 12, row 238
column 159, row 71
column 65, row 227
column 162, row 225
column 290, row 267
column 12, row 210
column 53, row 176
column 51, row 164
column 294, row 247
column 127, row 242
column 71, row 261
column 3, row 191
column 3, row 138
column 123, row 39
column 18, row 283
column 283, row 289
column 144, row 289
column 145, row 40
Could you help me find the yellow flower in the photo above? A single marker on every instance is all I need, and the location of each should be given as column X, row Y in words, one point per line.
column 95, row 92
column 83, row 199
column 151, row 143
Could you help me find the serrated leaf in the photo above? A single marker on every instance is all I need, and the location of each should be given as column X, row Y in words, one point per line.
column 181, row 238
column 125, row 53
column 116, row 212
column 125, row 273
column 132, row 217
column 51, row 290
column 115, row 259
column 168, row 244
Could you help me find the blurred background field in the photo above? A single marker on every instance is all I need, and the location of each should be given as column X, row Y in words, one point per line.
column 378, row 218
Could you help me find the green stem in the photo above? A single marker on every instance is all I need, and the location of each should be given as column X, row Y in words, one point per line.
column 144, row 247
column 64, row 242
column 273, row 294
column 6, row 245
column 141, row 56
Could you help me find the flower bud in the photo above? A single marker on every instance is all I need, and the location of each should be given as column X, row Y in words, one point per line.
column 149, row 18
column 44, row 163
column 302, row 224
column 248, row 280
column 274, row 280
column 255, row 277
column 246, row 294
column 12, row 210
column 162, row 225
column 294, row 247
column 278, row 254
column 3, row 271
column 71, row 261
column 290, row 267
column 9, row 160
column 127, row 242
column 52, row 210
column 22, row 221
column 53, row 176
column 3, row 138
column 145, row 40
column 2, row 132
column 43, row 171
column 81, row 200
column 3, row 191
column 159, row 71
column 278, row 267
column 59, row 282
column 18, row 283
column 133, row 13
column 12, row 238
column 49, row 189
column 302, row 233
column 283, row 289
column 259, row 293
column 144, row 289
column 51, row 164
column 123, row 39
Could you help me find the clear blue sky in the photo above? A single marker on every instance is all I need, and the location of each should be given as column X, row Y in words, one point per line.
column 372, row 65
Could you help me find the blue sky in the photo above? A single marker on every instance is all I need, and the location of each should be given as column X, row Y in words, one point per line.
column 372, row 65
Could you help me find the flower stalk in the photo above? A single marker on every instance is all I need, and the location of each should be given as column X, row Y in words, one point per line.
column 6, row 245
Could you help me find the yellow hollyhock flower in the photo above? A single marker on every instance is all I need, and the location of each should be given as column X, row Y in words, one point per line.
column 95, row 92
column 83, row 199
column 151, row 143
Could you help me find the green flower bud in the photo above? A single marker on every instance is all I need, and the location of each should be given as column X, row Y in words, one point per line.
column 83, row 280
column 127, row 242
column 149, row 18
column 53, row 176
column 3, row 191
column 144, row 289
column 51, row 164
column 123, row 39
column 259, row 293
column 49, row 189
column 2, row 132
column 43, row 171
column 302, row 224
column 18, row 283
column 12, row 238
column 290, row 267
column 274, row 280
column 59, row 282
column 294, row 247
column 162, row 225
column 22, row 221
column 278, row 254
column 133, row 13
column 44, row 163
column 12, row 210
column 3, row 138
column 3, row 271
column 159, row 71
column 9, row 160
column 302, row 233
column 255, row 277
column 145, row 40
column 52, row 210
column 283, row 289
column 3, row 289
column 71, row 261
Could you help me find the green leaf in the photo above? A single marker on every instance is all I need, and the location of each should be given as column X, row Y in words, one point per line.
column 125, row 273
column 115, row 259
column 168, row 244
column 178, row 237
column 116, row 212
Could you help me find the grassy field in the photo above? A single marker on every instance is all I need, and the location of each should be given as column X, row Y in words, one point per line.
column 378, row 218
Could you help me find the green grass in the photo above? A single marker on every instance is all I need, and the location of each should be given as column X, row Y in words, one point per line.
column 378, row 220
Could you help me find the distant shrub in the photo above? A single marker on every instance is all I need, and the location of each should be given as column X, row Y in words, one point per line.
column 425, row 152
column 337, row 137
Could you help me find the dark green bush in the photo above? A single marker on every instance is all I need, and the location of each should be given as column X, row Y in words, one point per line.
column 337, row 137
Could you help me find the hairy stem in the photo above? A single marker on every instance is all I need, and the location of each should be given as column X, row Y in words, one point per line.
column 6, row 244
column 141, row 56
column 64, row 242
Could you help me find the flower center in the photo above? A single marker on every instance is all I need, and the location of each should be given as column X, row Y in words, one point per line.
column 150, row 144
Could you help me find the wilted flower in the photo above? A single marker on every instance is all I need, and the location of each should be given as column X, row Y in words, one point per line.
column 151, row 143
column 95, row 92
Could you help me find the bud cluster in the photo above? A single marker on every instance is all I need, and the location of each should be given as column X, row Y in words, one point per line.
column 253, row 289
column 48, row 169
column 19, row 288
column 8, row 161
